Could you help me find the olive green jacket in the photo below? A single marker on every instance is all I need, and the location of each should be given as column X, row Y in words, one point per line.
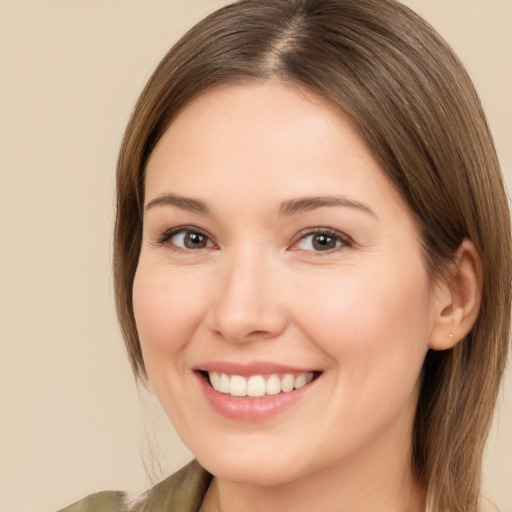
column 183, row 491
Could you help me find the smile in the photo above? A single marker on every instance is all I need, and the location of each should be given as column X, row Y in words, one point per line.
column 254, row 391
column 256, row 386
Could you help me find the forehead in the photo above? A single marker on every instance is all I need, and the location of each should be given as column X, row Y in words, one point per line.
column 237, row 117
column 233, row 138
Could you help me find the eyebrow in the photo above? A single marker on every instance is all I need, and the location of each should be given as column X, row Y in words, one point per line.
column 184, row 203
column 307, row 204
column 286, row 208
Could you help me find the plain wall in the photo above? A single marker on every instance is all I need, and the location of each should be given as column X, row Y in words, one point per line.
column 71, row 419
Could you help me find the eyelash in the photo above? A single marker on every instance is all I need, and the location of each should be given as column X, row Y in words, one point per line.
column 342, row 240
column 167, row 235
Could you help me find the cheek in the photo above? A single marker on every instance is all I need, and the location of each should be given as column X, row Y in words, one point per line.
column 167, row 310
column 373, row 325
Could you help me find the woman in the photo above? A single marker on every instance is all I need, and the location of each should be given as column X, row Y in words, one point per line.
column 304, row 266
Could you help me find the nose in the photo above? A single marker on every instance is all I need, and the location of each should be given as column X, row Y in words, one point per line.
column 246, row 306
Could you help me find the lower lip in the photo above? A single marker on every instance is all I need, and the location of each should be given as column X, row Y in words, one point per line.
column 251, row 409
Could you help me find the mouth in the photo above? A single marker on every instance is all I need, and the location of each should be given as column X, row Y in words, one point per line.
column 259, row 385
column 256, row 390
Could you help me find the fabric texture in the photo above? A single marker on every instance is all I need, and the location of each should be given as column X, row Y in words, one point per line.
column 183, row 491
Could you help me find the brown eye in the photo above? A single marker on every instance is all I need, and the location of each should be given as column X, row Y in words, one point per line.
column 324, row 242
column 193, row 240
column 189, row 239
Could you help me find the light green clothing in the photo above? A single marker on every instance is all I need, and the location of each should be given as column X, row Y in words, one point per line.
column 183, row 491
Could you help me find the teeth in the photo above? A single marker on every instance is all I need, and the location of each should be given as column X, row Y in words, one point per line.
column 300, row 381
column 273, row 385
column 215, row 380
column 287, row 383
column 223, row 383
column 237, row 386
column 258, row 385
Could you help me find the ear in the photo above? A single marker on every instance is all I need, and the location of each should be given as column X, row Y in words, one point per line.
column 457, row 298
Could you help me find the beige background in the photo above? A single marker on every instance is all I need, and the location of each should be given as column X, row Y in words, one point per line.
column 70, row 70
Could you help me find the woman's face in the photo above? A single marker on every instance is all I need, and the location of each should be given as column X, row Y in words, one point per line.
column 277, row 255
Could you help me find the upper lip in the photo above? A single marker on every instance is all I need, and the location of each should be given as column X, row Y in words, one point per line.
column 250, row 368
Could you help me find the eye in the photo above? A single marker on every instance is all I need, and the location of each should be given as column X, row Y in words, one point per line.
column 322, row 240
column 186, row 238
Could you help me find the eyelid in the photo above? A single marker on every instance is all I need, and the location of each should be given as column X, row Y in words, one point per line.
column 165, row 236
column 346, row 240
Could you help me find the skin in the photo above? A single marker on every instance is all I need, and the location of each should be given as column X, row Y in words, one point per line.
column 362, row 313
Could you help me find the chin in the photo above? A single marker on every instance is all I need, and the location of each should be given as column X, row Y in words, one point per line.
column 253, row 465
column 248, row 473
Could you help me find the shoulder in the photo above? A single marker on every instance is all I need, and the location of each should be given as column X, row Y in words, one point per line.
column 183, row 491
column 107, row 501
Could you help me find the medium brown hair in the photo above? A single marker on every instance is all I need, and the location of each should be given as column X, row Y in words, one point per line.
column 416, row 106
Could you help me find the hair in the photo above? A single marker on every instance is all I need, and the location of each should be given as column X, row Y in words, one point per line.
column 387, row 69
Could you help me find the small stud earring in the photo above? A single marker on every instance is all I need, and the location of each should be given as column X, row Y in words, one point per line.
column 451, row 336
